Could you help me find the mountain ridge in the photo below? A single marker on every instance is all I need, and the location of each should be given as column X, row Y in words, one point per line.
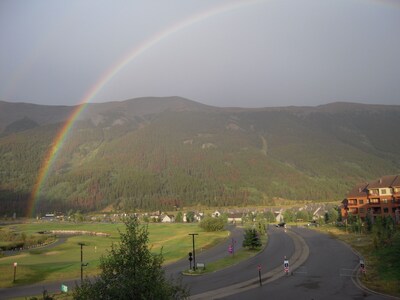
column 152, row 153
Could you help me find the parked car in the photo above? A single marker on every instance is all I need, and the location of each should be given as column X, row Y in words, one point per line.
column 281, row 224
column 312, row 223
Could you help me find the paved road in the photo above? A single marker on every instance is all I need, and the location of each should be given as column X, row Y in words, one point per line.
column 326, row 274
column 280, row 244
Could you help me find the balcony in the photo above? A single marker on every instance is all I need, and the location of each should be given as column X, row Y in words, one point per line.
column 353, row 211
column 376, row 211
column 374, row 201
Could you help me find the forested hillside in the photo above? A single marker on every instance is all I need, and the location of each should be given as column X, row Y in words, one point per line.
column 157, row 153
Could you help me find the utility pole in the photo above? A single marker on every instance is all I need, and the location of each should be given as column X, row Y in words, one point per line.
column 194, row 253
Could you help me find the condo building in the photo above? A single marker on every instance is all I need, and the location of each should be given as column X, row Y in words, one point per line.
column 380, row 197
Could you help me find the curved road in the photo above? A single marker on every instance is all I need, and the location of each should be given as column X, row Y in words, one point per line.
column 325, row 274
column 279, row 245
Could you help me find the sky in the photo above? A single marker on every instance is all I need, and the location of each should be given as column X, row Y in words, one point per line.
column 241, row 53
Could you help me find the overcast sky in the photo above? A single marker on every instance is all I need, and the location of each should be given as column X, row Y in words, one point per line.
column 221, row 53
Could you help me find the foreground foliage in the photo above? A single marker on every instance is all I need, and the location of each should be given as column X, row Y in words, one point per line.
column 131, row 271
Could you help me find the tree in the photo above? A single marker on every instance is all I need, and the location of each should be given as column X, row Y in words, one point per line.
column 190, row 217
column 261, row 223
column 131, row 271
column 302, row 215
column 326, row 218
column 289, row 216
column 251, row 239
column 333, row 215
column 179, row 217
column 270, row 217
column 212, row 224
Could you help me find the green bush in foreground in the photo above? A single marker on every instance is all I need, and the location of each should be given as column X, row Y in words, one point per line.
column 131, row 271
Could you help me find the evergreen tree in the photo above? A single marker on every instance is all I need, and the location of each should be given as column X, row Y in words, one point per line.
column 251, row 239
column 131, row 271
column 190, row 217
column 179, row 217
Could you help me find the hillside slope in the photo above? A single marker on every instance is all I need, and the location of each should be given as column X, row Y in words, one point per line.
column 153, row 153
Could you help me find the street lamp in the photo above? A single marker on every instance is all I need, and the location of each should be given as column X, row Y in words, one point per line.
column 194, row 253
column 82, row 264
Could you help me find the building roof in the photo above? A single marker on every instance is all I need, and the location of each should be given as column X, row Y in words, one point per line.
column 359, row 190
column 384, row 181
column 396, row 181
column 235, row 215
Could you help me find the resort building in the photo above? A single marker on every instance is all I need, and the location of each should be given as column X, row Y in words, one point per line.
column 380, row 197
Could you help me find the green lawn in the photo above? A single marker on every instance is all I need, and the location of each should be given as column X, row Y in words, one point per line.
column 63, row 261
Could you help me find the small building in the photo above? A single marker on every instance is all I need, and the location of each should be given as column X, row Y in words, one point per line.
column 49, row 217
column 235, row 218
column 215, row 214
column 167, row 218
column 278, row 216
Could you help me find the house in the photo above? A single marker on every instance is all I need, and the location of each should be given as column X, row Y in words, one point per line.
column 198, row 216
column 278, row 215
column 167, row 218
column 319, row 213
column 379, row 197
column 215, row 214
column 235, row 218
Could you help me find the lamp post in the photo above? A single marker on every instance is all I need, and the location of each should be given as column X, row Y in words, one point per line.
column 15, row 271
column 82, row 265
column 194, row 253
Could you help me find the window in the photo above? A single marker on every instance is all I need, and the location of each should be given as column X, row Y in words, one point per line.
column 384, row 200
column 374, row 201
column 373, row 192
column 361, row 201
column 383, row 191
column 362, row 210
column 385, row 210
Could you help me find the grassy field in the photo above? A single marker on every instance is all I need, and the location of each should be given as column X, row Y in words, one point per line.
column 63, row 261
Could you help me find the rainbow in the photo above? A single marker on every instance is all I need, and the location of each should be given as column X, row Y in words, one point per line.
column 117, row 67
column 59, row 140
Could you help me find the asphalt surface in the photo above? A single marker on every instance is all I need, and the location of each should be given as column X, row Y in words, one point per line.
column 326, row 274
column 279, row 245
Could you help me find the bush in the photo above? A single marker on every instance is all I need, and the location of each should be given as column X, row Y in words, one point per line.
column 212, row 224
